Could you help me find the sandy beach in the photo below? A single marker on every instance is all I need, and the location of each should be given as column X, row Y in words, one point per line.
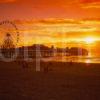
column 63, row 81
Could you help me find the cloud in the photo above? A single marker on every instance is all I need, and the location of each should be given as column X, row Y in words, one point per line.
column 88, row 4
column 7, row 1
column 68, row 28
column 89, row 1
column 49, row 21
column 91, row 5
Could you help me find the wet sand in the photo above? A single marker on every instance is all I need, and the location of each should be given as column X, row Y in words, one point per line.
column 62, row 81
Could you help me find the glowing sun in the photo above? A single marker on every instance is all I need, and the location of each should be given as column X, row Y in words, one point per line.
column 89, row 40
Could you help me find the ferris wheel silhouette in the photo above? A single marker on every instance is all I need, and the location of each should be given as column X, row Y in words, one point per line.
column 9, row 37
column 9, row 29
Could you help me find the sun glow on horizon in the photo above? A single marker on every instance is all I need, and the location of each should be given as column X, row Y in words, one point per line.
column 89, row 40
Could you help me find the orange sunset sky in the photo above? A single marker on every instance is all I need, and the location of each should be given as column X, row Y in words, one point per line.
column 29, row 9
column 69, row 22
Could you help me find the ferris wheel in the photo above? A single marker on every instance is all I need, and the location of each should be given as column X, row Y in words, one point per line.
column 9, row 38
column 8, row 30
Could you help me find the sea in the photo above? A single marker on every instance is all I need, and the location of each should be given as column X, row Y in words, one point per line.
column 78, row 59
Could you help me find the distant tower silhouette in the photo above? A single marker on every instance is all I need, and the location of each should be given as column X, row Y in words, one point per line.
column 8, row 46
column 53, row 50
